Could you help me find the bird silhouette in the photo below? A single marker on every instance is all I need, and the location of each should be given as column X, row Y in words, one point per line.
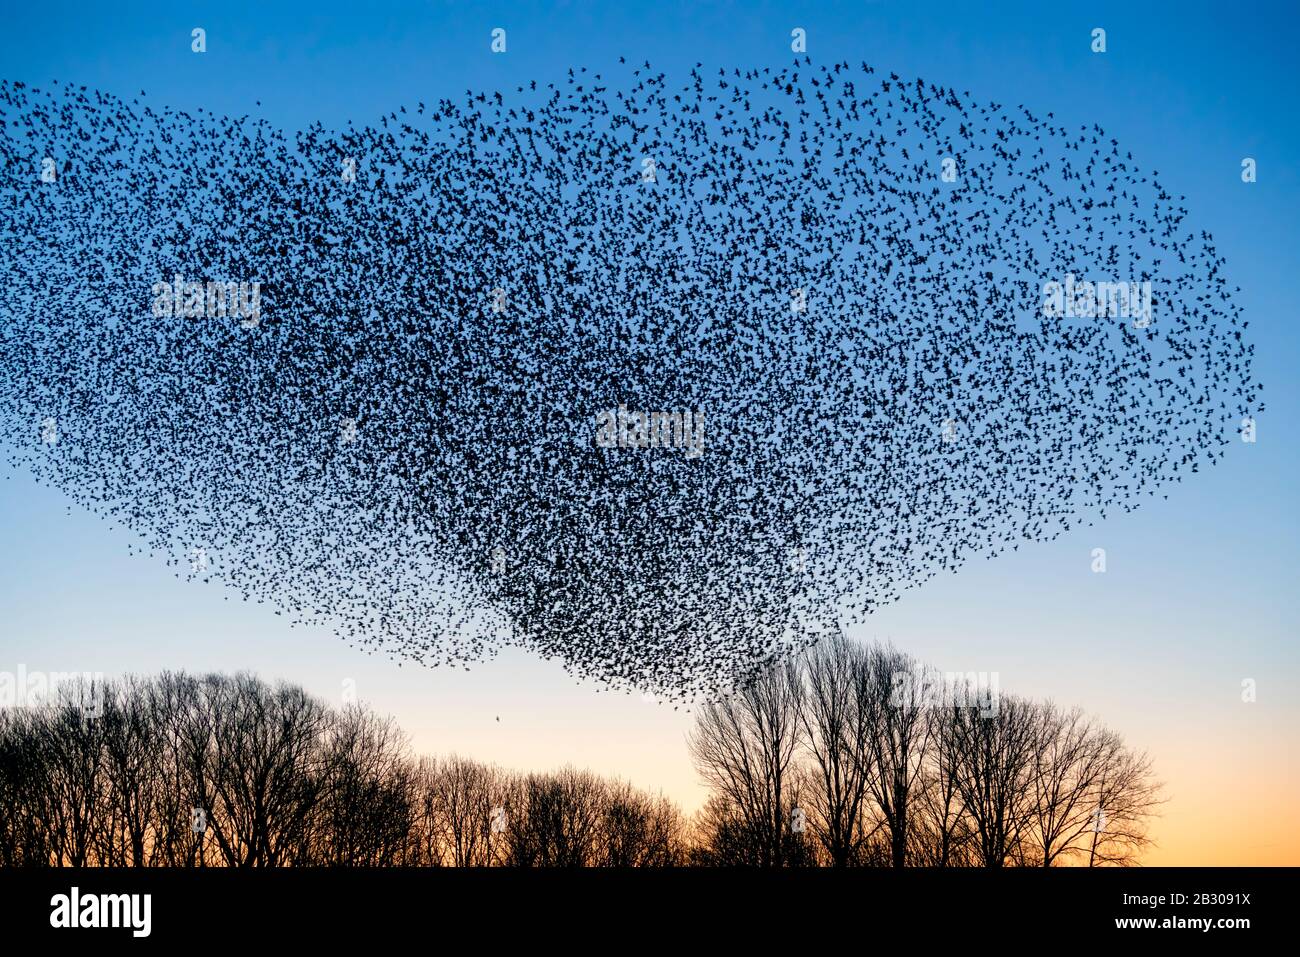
column 391, row 426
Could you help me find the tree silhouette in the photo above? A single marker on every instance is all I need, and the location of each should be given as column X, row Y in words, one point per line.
column 824, row 760
column 905, row 766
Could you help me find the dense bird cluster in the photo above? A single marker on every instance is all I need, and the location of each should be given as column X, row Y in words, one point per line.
column 837, row 273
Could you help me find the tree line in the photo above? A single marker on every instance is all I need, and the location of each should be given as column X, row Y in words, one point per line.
column 859, row 755
column 820, row 762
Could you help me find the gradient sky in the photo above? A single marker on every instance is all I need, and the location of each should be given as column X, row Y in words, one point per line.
column 1200, row 591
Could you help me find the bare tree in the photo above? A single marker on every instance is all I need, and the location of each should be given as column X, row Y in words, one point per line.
column 942, row 832
column 899, row 738
column 638, row 829
column 834, row 759
column 992, row 775
column 1127, row 795
column 70, row 782
column 1067, row 763
column 744, row 746
column 180, row 708
column 722, row 836
column 838, row 733
column 24, row 837
column 455, row 805
column 132, row 746
column 365, row 793
column 552, row 820
column 265, row 771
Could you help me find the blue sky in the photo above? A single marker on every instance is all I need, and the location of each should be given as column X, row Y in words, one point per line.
column 1200, row 589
